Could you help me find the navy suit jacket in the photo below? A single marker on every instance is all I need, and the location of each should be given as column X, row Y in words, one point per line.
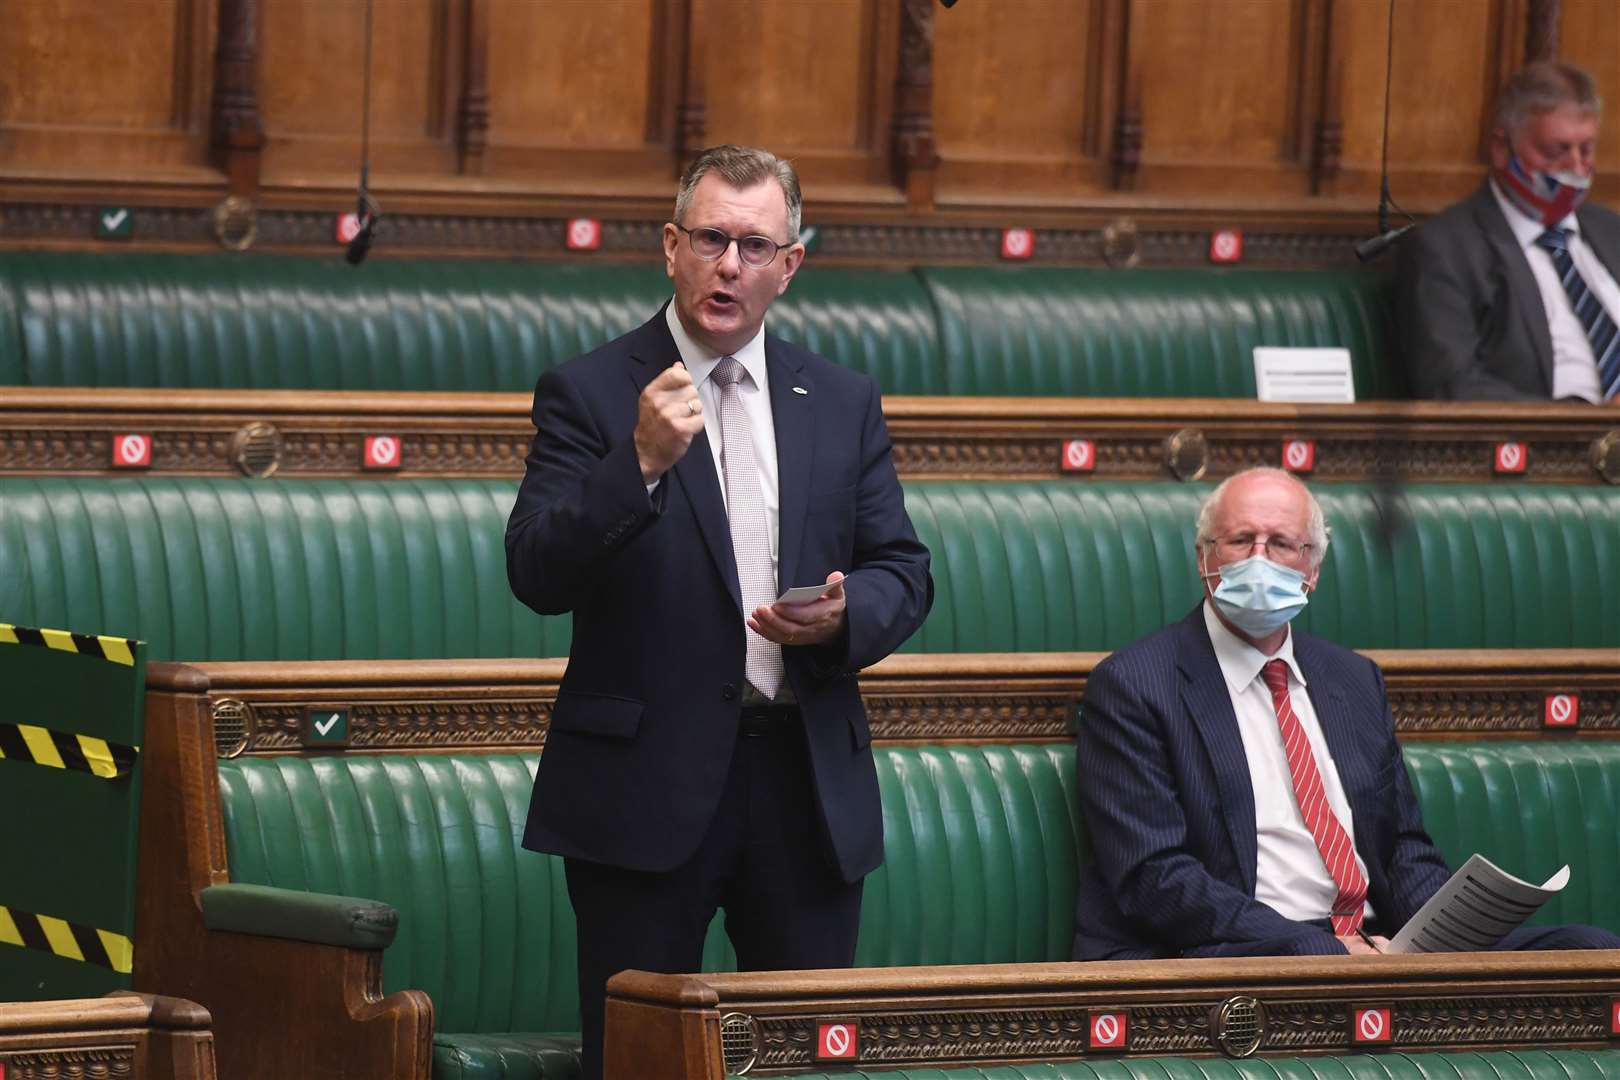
column 646, row 718
column 1169, row 808
column 1472, row 322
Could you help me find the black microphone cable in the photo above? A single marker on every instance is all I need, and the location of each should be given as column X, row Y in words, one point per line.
column 1371, row 249
column 366, row 210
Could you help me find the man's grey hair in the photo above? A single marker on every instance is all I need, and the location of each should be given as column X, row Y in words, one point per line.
column 742, row 167
column 1542, row 87
column 1316, row 529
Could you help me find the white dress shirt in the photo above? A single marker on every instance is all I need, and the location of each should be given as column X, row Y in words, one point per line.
column 1575, row 371
column 1290, row 876
column 755, row 391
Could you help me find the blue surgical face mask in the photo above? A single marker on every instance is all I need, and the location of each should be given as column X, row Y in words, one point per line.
column 1259, row 596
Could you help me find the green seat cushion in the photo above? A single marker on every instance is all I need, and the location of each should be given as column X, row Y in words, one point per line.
column 1141, row 333
column 505, row 1056
column 981, row 848
column 235, row 569
column 1456, row 1065
column 285, row 322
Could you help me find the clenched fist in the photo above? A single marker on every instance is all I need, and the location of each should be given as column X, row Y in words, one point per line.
column 668, row 416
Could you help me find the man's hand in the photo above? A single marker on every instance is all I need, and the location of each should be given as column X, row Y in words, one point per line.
column 802, row 624
column 1354, row 944
column 668, row 417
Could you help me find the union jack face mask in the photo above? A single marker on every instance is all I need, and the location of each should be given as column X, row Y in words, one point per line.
column 1546, row 197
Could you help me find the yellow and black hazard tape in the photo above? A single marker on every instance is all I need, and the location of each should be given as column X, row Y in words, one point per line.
column 101, row 646
column 69, row 940
column 60, row 750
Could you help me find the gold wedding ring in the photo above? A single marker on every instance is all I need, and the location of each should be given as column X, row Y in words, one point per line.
column 692, row 407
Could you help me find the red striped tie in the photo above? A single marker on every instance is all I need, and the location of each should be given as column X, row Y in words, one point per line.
column 1338, row 853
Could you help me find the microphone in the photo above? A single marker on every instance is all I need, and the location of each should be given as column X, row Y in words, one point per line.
column 1370, row 249
column 367, row 213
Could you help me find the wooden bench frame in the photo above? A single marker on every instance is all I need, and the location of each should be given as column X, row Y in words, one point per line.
column 67, row 431
column 675, row 1027
column 139, row 1036
column 260, row 989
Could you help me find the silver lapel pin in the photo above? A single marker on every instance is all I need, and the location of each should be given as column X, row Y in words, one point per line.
column 800, row 390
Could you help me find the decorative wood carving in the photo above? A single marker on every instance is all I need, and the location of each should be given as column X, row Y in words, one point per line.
column 691, row 115
column 237, row 133
column 318, row 433
column 914, row 157
column 472, row 118
column 945, row 1017
column 993, row 697
column 1541, row 33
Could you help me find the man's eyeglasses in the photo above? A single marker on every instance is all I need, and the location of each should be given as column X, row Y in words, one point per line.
column 709, row 244
column 1280, row 549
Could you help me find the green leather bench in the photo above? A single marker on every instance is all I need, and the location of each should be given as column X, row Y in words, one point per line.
column 1152, row 333
column 264, row 321
column 233, row 569
column 983, row 842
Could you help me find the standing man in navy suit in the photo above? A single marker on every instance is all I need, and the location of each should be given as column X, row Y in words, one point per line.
column 709, row 748
column 1241, row 784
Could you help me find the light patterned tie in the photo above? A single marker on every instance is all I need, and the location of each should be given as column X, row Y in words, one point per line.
column 750, row 539
column 1338, row 853
column 1601, row 330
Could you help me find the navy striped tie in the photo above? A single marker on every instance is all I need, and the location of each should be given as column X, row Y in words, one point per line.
column 1600, row 329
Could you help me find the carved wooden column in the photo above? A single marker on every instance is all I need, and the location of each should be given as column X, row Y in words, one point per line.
column 1541, row 37
column 691, row 120
column 1326, row 70
column 914, row 159
column 1127, row 156
column 236, row 135
column 472, row 118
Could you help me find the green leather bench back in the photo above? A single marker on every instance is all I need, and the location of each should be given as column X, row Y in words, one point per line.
column 274, row 322
column 233, row 569
column 982, row 844
column 1453, row 1065
column 1146, row 333
column 267, row 321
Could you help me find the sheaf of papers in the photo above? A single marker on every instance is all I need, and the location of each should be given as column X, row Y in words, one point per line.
column 1303, row 375
column 1475, row 909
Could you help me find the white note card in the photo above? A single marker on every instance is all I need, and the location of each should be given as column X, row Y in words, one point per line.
column 1303, row 375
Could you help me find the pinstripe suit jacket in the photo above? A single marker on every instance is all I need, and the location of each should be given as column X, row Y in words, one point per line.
column 1168, row 805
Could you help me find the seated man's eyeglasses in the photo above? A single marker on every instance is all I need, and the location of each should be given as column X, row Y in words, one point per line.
column 709, row 244
column 1281, row 549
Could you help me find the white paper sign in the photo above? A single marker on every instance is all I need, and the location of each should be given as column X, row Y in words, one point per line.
column 1303, row 375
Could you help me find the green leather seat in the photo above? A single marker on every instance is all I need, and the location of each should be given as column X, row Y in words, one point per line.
column 267, row 321
column 982, row 844
column 278, row 322
column 1454, row 1065
column 233, row 569
column 1147, row 333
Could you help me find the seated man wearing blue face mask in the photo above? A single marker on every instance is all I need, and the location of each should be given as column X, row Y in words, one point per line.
column 1241, row 785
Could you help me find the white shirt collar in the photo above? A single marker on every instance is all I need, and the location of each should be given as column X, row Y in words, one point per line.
column 1526, row 228
column 701, row 361
column 1241, row 662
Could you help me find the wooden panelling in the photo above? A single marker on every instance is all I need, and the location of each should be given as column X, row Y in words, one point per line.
column 91, row 87
column 1440, row 99
column 1221, row 89
column 813, row 81
column 1048, row 113
column 585, row 93
column 312, row 83
column 1589, row 35
column 1022, row 97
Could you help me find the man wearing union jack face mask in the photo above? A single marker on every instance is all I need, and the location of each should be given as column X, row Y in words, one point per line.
column 1512, row 293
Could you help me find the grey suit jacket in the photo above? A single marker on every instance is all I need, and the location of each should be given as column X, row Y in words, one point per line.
column 1472, row 325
